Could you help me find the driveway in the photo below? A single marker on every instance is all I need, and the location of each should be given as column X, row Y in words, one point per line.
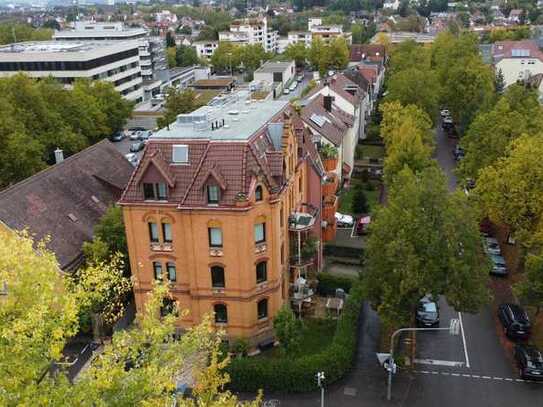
column 301, row 86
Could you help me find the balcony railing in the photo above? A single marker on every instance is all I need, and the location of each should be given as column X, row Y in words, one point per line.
column 303, row 218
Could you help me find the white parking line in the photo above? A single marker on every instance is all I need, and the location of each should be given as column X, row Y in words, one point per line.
column 434, row 362
column 464, row 339
column 352, row 232
column 474, row 376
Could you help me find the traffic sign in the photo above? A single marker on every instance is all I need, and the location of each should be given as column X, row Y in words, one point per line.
column 382, row 358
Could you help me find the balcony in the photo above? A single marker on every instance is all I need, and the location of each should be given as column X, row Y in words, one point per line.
column 329, row 208
column 303, row 218
column 330, row 184
column 303, row 252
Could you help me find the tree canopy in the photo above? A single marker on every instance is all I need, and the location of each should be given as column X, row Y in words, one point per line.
column 177, row 101
column 39, row 116
column 423, row 241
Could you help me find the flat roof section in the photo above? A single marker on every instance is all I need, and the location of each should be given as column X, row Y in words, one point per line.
column 270, row 67
column 242, row 119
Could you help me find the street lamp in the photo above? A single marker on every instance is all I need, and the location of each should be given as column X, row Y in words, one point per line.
column 388, row 360
column 320, row 383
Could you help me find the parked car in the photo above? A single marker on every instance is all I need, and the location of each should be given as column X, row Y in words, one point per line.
column 491, row 246
column 362, row 225
column 286, row 91
column 445, row 113
column 135, row 147
column 134, row 129
column 119, row 136
column 447, row 123
column 135, row 135
column 300, row 77
column 132, row 158
column 344, row 221
column 499, row 268
column 529, row 361
column 293, row 86
column 427, row 312
column 515, row 321
column 144, row 135
column 458, row 153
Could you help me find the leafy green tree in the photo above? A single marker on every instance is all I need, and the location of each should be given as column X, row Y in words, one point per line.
column 530, row 289
column 37, row 316
column 287, row 330
column 510, row 191
column 499, row 83
column 409, row 54
column 394, row 115
column 297, row 52
column 339, row 54
column 207, row 33
column 423, row 241
column 170, row 40
column 185, row 56
column 360, row 202
column 317, row 54
column 517, row 112
column 252, row 56
column 18, row 32
column 414, row 86
column 109, row 237
column 170, row 57
column 226, row 57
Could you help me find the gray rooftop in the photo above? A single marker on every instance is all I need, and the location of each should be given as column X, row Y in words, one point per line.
column 270, row 67
column 242, row 119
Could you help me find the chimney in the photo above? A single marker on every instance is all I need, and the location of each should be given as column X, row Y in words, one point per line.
column 328, row 103
column 59, row 156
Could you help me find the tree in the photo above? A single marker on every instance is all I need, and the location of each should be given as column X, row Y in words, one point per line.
column 185, row 56
column 170, row 57
column 394, row 115
column 414, row 86
column 423, row 241
column 287, row 330
column 170, row 40
column 297, row 52
column 407, row 150
column 499, row 83
column 109, row 237
column 510, row 191
column 37, row 316
column 184, row 30
column 530, row 289
column 226, row 57
column 17, row 32
column 139, row 367
column 339, row 54
column 517, row 112
column 177, row 102
column 52, row 24
column 252, row 56
column 317, row 55
column 409, row 54
column 360, row 202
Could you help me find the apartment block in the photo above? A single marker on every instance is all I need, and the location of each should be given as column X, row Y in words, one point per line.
column 252, row 30
column 225, row 206
column 112, row 61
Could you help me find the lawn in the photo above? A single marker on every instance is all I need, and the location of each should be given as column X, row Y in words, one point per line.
column 316, row 335
column 370, row 151
column 203, row 97
column 346, row 197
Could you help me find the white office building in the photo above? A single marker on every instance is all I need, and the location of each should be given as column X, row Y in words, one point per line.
column 112, row 61
column 252, row 30
column 205, row 49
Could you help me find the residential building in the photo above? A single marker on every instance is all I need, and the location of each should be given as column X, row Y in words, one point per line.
column 152, row 49
column 347, row 108
column 295, row 37
column 368, row 54
column 65, row 201
column 217, row 207
column 276, row 72
column 205, row 49
column 393, row 5
column 112, row 61
column 252, row 30
column 518, row 60
column 397, row 37
column 315, row 29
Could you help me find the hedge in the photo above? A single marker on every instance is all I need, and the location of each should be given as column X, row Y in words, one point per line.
column 328, row 283
column 297, row 375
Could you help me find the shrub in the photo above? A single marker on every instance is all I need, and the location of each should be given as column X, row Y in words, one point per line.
column 298, row 374
column 287, row 330
column 328, row 151
column 328, row 283
column 240, row 346
column 359, row 203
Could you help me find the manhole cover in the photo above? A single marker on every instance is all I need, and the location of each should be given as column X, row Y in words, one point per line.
column 349, row 391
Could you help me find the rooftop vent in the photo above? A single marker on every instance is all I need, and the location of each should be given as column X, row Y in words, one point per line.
column 72, row 217
column 94, row 199
column 180, row 154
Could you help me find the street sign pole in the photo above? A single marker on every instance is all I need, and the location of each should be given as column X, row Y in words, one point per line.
column 320, row 383
column 388, row 363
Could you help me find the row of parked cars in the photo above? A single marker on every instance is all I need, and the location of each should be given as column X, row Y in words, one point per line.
column 493, row 251
column 447, row 123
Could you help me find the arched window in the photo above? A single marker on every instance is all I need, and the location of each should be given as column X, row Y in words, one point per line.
column 261, row 272
column 259, row 195
column 157, row 270
column 170, row 267
column 262, row 309
column 217, row 277
column 221, row 313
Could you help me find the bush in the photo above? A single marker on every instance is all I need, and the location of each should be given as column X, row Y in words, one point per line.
column 298, row 374
column 360, row 202
column 328, row 283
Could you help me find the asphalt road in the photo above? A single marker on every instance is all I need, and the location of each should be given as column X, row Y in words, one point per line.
column 296, row 92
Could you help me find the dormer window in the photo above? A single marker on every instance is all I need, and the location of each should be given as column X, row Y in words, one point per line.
column 213, row 194
column 258, row 193
column 155, row 191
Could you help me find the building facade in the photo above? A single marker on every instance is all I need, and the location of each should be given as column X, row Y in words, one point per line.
column 117, row 62
column 251, row 31
column 221, row 206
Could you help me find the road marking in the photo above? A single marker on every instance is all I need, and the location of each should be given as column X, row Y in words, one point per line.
column 352, row 232
column 474, row 376
column 434, row 362
column 464, row 339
